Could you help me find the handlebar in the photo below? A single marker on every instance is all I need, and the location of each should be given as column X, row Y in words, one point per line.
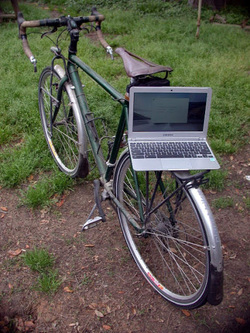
column 70, row 22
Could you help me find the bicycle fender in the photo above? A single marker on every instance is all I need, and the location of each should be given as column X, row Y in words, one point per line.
column 83, row 137
column 215, row 284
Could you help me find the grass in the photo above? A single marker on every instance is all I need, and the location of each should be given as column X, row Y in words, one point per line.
column 48, row 282
column 41, row 261
column 223, row 202
column 41, row 193
column 247, row 202
column 155, row 31
column 38, row 260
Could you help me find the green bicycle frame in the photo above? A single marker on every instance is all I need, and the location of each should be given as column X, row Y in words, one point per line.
column 104, row 169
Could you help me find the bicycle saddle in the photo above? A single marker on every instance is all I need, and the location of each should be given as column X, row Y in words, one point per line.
column 134, row 67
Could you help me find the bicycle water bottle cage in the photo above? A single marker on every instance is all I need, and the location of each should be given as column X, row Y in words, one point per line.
column 137, row 66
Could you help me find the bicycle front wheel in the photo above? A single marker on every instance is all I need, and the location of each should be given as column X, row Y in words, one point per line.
column 62, row 123
column 170, row 246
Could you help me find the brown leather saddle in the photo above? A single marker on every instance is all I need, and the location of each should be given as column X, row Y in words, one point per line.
column 136, row 66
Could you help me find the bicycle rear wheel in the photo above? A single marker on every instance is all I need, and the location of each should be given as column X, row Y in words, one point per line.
column 171, row 248
column 64, row 131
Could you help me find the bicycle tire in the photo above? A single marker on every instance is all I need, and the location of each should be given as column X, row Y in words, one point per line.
column 66, row 137
column 172, row 250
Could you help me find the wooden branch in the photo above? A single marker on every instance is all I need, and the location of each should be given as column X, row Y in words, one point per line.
column 199, row 19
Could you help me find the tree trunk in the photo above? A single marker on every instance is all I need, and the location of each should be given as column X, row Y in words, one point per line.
column 15, row 6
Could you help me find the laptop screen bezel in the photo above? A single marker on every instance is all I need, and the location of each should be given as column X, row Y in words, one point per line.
column 169, row 134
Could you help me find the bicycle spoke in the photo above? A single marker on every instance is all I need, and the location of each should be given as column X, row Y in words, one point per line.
column 172, row 244
column 62, row 135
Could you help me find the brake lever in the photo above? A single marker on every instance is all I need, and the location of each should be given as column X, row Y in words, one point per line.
column 110, row 52
column 33, row 61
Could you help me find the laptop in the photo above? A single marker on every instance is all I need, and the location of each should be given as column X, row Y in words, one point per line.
column 167, row 128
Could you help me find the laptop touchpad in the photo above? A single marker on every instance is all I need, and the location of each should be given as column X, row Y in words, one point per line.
column 175, row 164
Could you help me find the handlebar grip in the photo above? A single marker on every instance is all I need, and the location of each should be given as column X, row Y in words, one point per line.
column 101, row 38
column 22, row 25
column 99, row 33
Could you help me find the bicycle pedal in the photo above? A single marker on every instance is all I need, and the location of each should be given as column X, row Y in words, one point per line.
column 91, row 223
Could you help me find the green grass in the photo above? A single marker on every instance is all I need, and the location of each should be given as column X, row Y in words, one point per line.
column 223, row 202
column 247, row 202
column 41, row 193
column 41, row 261
column 38, row 260
column 48, row 282
column 163, row 32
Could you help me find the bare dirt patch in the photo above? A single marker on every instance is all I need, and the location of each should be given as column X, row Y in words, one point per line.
column 102, row 289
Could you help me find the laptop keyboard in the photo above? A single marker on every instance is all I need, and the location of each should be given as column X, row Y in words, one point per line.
column 178, row 149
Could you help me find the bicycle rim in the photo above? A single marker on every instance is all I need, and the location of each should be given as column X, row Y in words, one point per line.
column 62, row 134
column 171, row 248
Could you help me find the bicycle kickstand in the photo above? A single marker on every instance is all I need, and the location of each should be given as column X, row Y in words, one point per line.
column 92, row 222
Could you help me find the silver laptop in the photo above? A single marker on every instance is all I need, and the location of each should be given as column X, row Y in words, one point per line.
column 168, row 128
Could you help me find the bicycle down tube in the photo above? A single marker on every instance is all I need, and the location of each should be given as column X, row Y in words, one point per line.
column 75, row 61
column 105, row 169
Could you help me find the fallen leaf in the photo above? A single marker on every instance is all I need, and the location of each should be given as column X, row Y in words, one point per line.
column 93, row 306
column 186, row 313
column 106, row 327
column 68, row 290
column 172, row 249
column 241, row 321
column 240, row 292
column 27, row 246
column 61, row 202
column 43, row 212
column 89, row 245
column 44, row 221
column 29, row 324
column 2, row 216
column 30, row 178
column 99, row 314
column 5, row 209
column 231, row 306
column 212, row 192
column 233, row 256
column 134, row 311
column 10, row 286
column 15, row 253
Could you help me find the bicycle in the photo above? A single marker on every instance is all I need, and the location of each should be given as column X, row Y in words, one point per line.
column 164, row 216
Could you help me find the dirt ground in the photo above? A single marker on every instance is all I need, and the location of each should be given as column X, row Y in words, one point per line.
column 102, row 289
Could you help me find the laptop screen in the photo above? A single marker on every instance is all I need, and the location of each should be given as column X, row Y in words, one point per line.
column 168, row 111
